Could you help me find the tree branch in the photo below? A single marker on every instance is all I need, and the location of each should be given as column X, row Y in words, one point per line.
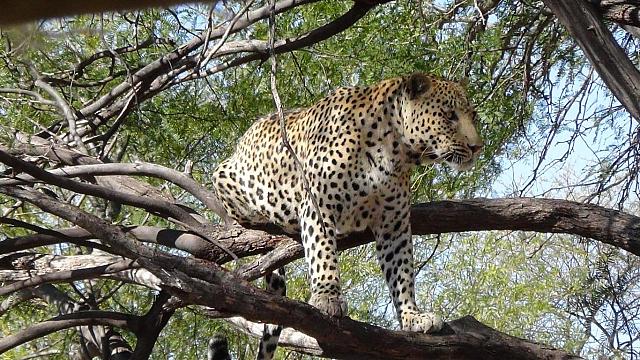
column 68, row 275
column 528, row 214
column 606, row 56
column 94, row 337
column 343, row 337
column 261, row 48
column 35, row 146
column 303, row 343
column 288, row 337
column 151, row 324
column 205, row 284
column 140, row 169
column 19, row 12
column 28, row 270
column 66, row 321
column 107, row 106
column 168, row 210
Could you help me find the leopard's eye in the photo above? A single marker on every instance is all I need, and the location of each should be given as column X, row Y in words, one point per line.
column 451, row 115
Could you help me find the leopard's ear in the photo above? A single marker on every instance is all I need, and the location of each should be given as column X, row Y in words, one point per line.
column 418, row 84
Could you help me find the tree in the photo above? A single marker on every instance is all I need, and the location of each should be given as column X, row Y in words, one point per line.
column 114, row 121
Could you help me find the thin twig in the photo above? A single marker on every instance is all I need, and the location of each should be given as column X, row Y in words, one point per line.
column 67, row 112
column 283, row 128
column 224, row 38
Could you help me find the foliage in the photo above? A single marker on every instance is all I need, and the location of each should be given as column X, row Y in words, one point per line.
column 535, row 93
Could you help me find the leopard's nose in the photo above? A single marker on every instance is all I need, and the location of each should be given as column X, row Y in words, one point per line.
column 475, row 148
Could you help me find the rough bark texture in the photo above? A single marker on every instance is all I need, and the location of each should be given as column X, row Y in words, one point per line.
column 345, row 338
column 610, row 61
column 626, row 12
column 200, row 282
column 467, row 325
column 541, row 215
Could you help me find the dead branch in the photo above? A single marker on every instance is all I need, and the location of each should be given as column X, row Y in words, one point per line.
column 24, row 270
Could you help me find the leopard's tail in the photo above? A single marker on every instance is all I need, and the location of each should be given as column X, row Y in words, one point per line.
column 275, row 283
column 218, row 348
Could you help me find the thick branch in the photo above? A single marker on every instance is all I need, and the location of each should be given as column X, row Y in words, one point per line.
column 206, row 284
column 68, row 275
column 28, row 270
column 343, row 337
column 237, row 238
column 169, row 210
column 606, row 56
column 610, row 226
column 305, row 344
column 151, row 324
column 139, row 169
column 541, row 215
column 45, row 237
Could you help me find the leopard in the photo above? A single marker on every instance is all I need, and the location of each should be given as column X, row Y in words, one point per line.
column 346, row 167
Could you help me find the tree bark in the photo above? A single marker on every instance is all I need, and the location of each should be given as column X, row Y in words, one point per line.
column 305, row 344
column 624, row 12
column 528, row 214
column 345, row 338
column 204, row 283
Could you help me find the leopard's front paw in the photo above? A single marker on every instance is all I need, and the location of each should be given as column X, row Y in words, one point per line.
column 421, row 322
column 332, row 304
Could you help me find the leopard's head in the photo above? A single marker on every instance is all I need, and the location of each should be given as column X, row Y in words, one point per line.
column 438, row 122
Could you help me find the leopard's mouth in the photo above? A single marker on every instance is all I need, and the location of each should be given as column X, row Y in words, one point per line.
column 425, row 157
column 459, row 161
